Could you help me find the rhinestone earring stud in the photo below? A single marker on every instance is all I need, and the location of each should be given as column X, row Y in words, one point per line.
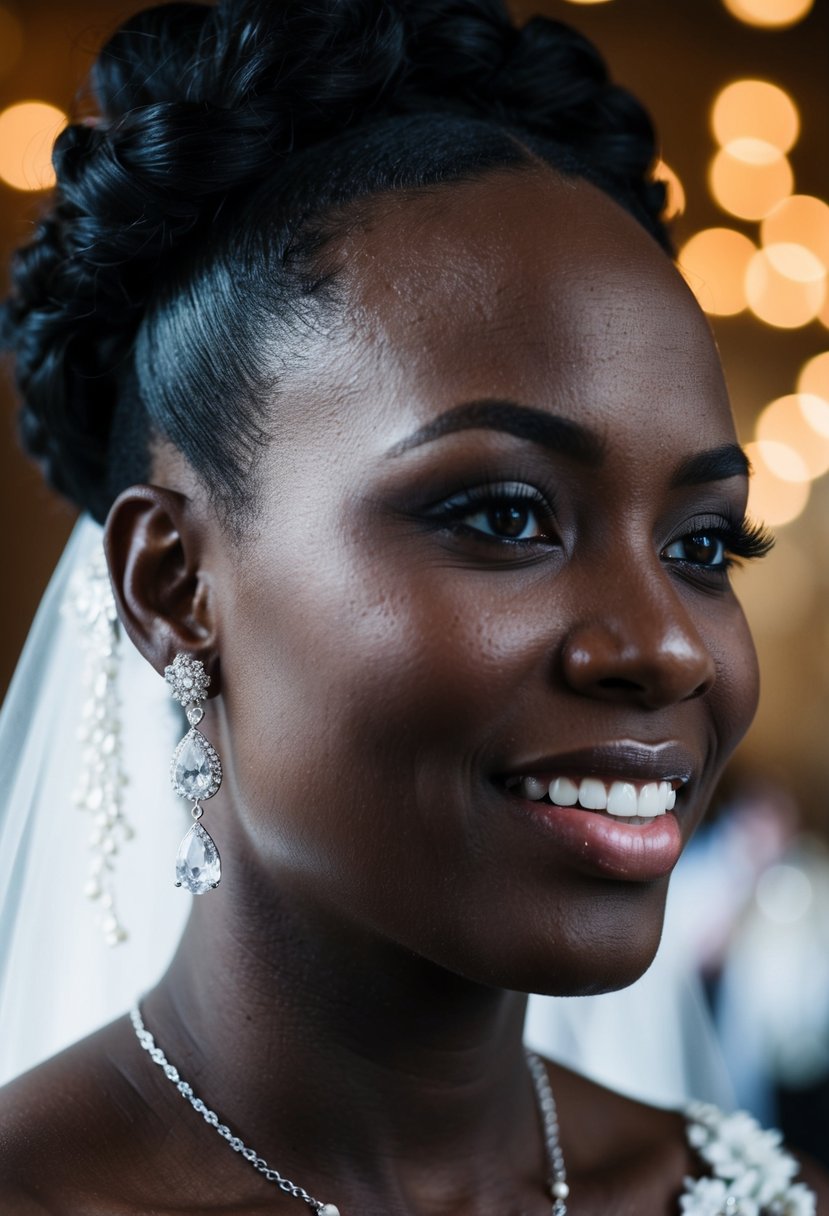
column 196, row 773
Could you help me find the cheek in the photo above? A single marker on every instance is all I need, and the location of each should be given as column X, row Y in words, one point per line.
column 359, row 710
column 334, row 689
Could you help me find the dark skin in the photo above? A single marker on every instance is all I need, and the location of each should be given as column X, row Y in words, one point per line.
column 376, row 669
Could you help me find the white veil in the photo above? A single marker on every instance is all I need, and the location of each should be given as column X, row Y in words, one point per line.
column 59, row 979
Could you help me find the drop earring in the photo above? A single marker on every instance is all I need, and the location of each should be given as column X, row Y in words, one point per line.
column 196, row 773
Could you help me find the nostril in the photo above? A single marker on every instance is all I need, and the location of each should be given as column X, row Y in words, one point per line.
column 620, row 683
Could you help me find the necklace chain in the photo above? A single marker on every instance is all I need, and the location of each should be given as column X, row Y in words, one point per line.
column 544, row 1097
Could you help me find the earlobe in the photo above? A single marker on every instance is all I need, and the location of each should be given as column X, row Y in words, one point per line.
column 154, row 548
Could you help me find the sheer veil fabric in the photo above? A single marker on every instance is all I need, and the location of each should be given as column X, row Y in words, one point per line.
column 59, row 980
column 58, row 977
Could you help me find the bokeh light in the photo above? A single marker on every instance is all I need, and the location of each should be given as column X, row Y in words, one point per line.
column 774, row 14
column 785, row 286
column 816, row 412
column 773, row 499
column 783, row 461
column 714, row 263
column 814, row 376
column 778, row 595
column 784, row 894
column 27, row 133
column 786, row 425
column 750, row 176
column 755, row 109
column 675, row 201
column 11, row 40
column 800, row 219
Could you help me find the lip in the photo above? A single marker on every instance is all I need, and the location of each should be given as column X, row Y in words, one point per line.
column 621, row 760
column 596, row 844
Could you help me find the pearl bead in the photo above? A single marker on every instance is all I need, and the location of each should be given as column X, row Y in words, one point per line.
column 328, row 1209
column 560, row 1190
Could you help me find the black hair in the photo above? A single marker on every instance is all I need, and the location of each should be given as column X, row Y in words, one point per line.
column 233, row 144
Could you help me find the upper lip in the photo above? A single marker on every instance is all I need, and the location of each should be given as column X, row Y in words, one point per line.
column 621, row 759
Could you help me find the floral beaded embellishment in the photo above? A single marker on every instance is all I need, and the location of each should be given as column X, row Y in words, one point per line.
column 187, row 679
column 752, row 1173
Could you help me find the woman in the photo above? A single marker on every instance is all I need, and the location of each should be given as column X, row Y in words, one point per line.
column 355, row 323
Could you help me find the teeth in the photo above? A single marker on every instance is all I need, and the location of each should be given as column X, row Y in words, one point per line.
column 563, row 792
column 648, row 807
column 622, row 799
column 593, row 794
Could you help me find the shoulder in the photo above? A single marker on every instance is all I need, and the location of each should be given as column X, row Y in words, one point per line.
column 634, row 1157
column 65, row 1130
column 18, row 1201
column 689, row 1161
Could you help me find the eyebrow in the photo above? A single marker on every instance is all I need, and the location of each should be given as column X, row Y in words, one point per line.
column 718, row 464
column 567, row 438
column 549, row 430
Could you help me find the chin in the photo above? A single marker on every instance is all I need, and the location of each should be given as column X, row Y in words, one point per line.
column 600, row 944
column 588, row 981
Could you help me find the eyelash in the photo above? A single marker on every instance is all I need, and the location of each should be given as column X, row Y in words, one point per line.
column 452, row 512
column 741, row 541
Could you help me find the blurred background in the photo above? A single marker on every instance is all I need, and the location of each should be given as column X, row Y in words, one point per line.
column 740, row 92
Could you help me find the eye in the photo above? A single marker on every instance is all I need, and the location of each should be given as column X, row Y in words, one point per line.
column 514, row 513
column 699, row 549
column 507, row 520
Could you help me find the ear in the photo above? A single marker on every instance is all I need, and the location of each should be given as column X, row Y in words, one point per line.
column 154, row 545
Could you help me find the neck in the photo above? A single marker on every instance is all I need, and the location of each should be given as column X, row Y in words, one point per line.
column 348, row 1060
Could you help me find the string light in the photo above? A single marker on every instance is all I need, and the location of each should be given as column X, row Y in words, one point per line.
column 785, row 286
column 796, row 451
column 816, row 412
column 800, row 219
column 813, row 387
column 775, row 14
column 714, row 263
column 27, row 133
column 814, row 377
column 755, row 109
column 748, row 177
column 675, row 198
column 772, row 498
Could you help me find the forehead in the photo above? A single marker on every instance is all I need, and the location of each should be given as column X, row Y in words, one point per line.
column 534, row 287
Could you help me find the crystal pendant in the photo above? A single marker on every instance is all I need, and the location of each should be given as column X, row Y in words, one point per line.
column 196, row 770
column 198, row 865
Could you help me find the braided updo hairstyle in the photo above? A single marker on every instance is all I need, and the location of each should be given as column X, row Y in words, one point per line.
column 182, row 255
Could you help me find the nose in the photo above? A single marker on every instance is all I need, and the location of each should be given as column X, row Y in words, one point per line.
column 648, row 652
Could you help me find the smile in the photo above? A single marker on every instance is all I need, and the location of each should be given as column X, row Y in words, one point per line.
column 632, row 802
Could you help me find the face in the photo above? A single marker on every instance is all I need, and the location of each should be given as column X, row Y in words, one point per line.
column 492, row 558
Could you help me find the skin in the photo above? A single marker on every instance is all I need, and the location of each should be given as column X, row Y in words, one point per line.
column 384, row 901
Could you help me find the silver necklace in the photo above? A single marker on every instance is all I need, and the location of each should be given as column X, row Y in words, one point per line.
column 557, row 1180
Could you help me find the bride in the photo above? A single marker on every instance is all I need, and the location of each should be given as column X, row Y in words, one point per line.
column 356, row 324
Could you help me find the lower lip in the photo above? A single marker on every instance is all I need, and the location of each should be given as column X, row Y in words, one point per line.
column 603, row 847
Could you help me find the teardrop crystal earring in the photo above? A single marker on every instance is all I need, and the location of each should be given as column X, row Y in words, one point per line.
column 196, row 773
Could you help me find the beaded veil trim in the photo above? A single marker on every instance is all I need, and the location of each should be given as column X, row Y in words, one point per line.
column 751, row 1173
